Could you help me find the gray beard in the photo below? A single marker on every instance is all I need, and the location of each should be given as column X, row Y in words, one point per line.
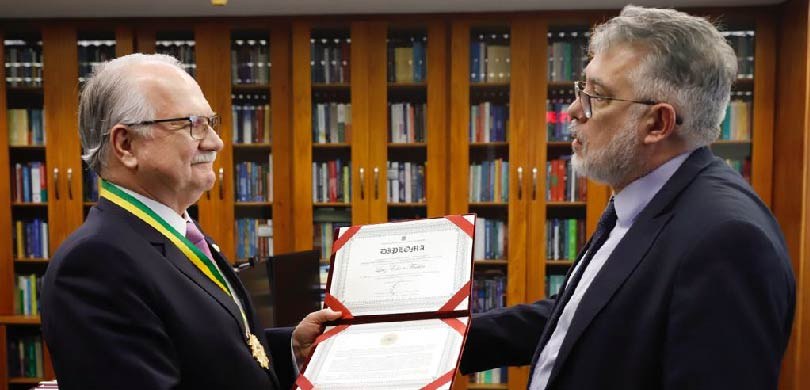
column 611, row 164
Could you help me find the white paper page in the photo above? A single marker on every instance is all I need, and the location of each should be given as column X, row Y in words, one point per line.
column 403, row 267
column 386, row 355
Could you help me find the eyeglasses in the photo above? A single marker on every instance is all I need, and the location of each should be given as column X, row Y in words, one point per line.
column 198, row 125
column 585, row 100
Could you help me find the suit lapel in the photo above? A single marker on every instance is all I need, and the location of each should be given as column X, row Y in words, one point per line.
column 630, row 251
column 176, row 258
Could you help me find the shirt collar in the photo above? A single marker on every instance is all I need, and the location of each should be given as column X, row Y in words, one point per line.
column 178, row 222
column 635, row 197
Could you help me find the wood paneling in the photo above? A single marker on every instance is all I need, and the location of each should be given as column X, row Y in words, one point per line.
column 281, row 97
column 361, row 104
column 790, row 172
column 216, row 212
column 537, row 156
column 377, row 68
column 60, row 77
column 459, row 154
column 124, row 41
column 764, row 101
column 302, row 136
column 436, row 183
column 6, row 240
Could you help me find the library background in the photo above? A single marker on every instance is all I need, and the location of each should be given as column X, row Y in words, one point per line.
column 379, row 118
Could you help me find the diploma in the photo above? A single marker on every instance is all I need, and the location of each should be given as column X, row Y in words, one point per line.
column 404, row 291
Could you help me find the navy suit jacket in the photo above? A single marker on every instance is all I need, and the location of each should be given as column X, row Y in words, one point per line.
column 123, row 308
column 699, row 294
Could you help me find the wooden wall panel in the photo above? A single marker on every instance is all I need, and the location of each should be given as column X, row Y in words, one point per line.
column 360, row 52
column 283, row 160
column 790, row 177
column 377, row 144
column 61, row 101
column 6, row 240
column 459, row 156
column 302, row 136
column 764, row 101
column 216, row 211
column 124, row 41
column 436, row 182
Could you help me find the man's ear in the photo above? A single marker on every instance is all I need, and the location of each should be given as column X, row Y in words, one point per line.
column 661, row 123
column 121, row 140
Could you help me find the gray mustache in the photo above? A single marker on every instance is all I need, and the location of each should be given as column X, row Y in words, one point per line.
column 204, row 157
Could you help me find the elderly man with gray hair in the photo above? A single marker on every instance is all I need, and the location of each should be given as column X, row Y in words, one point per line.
column 686, row 283
column 138, row 297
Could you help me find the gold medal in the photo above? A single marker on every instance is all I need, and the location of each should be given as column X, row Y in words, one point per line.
column 257, row 350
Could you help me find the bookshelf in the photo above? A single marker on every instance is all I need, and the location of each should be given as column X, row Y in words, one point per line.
column 519, row 148
column 252, row 143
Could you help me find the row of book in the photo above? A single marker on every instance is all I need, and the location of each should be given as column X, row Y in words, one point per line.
column 736, row 125
column 564, row 238
column 326, row 221
column 567, row 58
column 553, row 284
column 183, row 50
column 250, row 61
column 493, row 376
column 557, row 118
column 490, row 58
column 254, row 238
column 490, row 239
column 331, row 122
column 92, row 53
column 329, row 60
column 251, row 119
column 489, row 292
column 23, row 63
column 406, row 182
column 25, row 356
column 407, row 122
column 30, row 184
column 743, row 44
column 563, row 184
column 331, row 181
column 26, row 294
column 254, row 181
column 31, row 238
column 26, row 126
column 489, row 181
column 407, row 60
column 489, row 122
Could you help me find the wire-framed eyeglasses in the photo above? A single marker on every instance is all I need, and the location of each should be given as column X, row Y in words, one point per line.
column 198, row 125
column 585, row 100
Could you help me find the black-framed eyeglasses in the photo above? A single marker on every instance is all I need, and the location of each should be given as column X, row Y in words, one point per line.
column 198, row 125
column 585, row 100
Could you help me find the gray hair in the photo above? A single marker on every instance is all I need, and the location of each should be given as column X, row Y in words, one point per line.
column 112, row 96
column 689, row 65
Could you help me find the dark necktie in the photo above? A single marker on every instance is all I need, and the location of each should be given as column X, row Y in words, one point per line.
column 603, row 228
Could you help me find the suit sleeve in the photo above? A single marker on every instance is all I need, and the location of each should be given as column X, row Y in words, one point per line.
column 505, row 337
column 101, row 330
column 730, row 312
column 280, row 342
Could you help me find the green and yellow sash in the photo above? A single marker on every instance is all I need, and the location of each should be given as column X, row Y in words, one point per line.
column 206, row 265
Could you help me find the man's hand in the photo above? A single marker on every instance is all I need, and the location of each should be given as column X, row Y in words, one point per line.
column 308, row 330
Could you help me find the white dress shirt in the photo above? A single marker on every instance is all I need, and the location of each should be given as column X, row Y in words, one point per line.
column 629, row 203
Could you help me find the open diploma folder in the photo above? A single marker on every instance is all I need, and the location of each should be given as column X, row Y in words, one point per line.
column 404, row 290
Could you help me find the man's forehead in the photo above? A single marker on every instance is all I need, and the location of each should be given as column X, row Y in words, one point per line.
column 612, row 67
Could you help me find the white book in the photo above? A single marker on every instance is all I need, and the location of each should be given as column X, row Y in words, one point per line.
column 36, row 186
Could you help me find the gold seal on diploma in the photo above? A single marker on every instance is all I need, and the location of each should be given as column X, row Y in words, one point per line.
column 258, row 351
column 389, row 339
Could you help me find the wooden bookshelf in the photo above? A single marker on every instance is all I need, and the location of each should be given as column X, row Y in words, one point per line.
column 447, row 151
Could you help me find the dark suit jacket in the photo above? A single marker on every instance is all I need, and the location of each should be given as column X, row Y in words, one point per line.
column 123, row 308
column 699, row 294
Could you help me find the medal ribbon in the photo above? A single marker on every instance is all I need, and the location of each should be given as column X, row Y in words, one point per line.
column 206, row 265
